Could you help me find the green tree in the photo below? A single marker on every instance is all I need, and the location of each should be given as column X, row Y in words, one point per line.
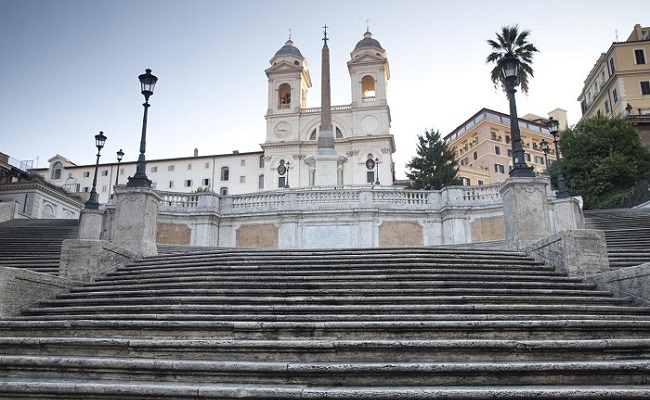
column 434, row 166
column 606, row 160
column 512, row 43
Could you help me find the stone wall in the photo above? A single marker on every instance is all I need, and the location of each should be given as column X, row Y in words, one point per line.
column 488, row 229
column 400, row 234
column 20, row 287
column 263, row 236
column 174, row 234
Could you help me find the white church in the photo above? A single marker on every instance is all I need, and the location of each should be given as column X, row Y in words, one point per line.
column 328, row 146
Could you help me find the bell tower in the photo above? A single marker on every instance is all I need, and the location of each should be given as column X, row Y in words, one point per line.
column 369, row 73
column 289, row 81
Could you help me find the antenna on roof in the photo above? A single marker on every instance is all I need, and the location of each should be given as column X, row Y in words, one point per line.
column 616, row 33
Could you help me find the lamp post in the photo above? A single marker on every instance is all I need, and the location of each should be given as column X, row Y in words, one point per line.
column 93, row 202
column 120, row 155
column 509, row 69
column 376, row 170
column 544, row 145
column 562, row 191
column 147, row 83
column 286, row 184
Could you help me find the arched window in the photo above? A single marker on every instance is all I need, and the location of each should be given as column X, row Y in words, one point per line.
column 368, row 88
column 225, row 173
column 337, row 133
column 57, row 170
column 223, row 191
column 284, row 93
column 260, row 182
column 47, row 212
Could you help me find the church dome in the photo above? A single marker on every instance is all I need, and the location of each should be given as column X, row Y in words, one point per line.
column 368, row 41
column 289, row 48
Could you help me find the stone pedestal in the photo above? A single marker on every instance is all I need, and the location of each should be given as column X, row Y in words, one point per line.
column 566, row 213
column 91, row 224
column 136, row 216
column 326, row 169
column 525, row 210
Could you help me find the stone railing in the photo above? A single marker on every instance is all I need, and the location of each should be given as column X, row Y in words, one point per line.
column 331, row 199
column 312, row 110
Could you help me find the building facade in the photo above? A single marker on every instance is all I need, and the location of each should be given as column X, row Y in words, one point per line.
column 361, row 133
column 483, row 145
column 619, row 82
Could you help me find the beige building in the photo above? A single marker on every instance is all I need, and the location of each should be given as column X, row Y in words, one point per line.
column 483, row 145
column 619, row 82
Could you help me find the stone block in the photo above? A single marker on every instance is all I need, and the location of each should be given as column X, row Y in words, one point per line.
column 136, row 218
column 85, row 260
column 633, row 282
column 488, row 229
column 91, row 224
column 20, row 288
column 525, row 210
column 575, row 252
column 566, row 214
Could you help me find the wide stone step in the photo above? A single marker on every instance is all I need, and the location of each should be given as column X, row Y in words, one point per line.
column 353, row 310
column 15, row 388
column 461, row 350
column 349, row 330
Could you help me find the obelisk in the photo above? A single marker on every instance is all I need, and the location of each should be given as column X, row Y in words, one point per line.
column 326, row 159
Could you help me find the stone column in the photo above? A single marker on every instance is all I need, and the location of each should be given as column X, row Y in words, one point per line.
column 525, row 210
column 136, row 216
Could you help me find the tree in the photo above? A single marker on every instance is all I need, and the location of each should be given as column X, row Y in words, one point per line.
column 434, row 166
column 512, row 43
column 606, row 160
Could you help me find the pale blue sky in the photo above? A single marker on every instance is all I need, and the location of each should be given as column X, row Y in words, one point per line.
column 69, row 68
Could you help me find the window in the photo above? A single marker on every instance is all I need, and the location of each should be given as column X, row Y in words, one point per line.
column 223, row 191
column 465, row 181
column 480, row 182
column 606, row 106
column 509, row 153
column 370, row 176
column 611, row 65
column 615, row 95
column 261, row 162
column 205, row 182
column 189, row 167
column 188, row 183
column 507, row 138
column 207, row 165
column 57, row 170
column 645, row 87
column 282, row 182
column 368, row 88
column 121, row 171
column 284, row 93
column 475, row 155
column 153, row 185
column 86, row 189
column 539, row 160
column 104, row 189
column 86, row 174
column 105, row 173
column 499, row 168
column 463, row 161
column 243, row 163
column 583, row 106
column 225, row 173
column 497, row 150
column 171, row 184
column 154, row 169
column 260, row 182
column 639, row 56
column 527, row 157
column 170, row 168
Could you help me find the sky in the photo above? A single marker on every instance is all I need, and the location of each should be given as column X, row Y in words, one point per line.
column 69, row 68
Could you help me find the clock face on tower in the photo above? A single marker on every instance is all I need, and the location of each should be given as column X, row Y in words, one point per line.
column 282, row 130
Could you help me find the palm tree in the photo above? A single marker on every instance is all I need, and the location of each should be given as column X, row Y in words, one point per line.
column 512, row 43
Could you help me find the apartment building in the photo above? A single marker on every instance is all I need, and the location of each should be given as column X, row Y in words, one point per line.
column 483, row 145
column 619, row 82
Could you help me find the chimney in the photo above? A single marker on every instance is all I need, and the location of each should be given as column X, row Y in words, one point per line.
column 196, row 152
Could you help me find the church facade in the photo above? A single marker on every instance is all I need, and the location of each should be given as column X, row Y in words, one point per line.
column 363, row 144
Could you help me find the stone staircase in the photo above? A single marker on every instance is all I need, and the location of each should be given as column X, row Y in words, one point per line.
column 627, row 232
column 417, row 323
column 35, row 244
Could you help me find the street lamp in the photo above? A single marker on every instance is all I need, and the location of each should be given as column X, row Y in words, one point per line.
column 509, row 69
column 544, row 145
column 562, row 191
column 376, row 170
column 93, row 202
column 120, row 155
column 286, row 184
column 147, row 83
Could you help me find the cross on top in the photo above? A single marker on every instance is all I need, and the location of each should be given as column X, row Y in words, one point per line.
column 325, row 34
column 289, row 33
column 367, row 25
